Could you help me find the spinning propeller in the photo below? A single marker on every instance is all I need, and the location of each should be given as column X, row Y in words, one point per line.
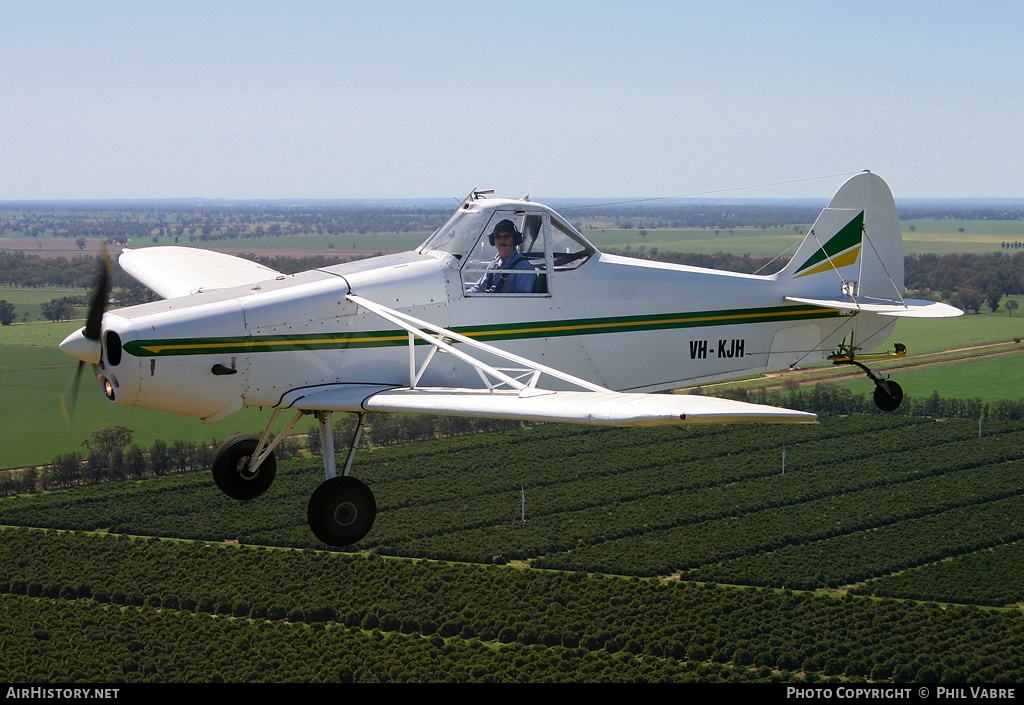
column 84, row 344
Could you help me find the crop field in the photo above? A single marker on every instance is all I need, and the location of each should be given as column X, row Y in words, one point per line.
column 916, row 524
column 627, row 501
column 37, row 295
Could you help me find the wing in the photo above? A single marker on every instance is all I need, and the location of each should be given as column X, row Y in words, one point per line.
column 594, row 408
column 178, row 271
column 907, row 308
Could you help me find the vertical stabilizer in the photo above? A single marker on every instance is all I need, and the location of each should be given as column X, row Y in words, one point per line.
column 854, row 248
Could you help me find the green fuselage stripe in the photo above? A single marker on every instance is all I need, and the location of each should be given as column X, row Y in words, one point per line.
column 489, row 333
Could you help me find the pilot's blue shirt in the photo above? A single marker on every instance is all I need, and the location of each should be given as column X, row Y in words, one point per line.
column 504, row 282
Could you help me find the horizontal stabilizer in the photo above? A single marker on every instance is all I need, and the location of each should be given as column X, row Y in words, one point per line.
column 908, row 308
column 594, row 408
column 179, row 271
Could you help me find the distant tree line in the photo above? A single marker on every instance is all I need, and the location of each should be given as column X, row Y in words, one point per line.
column 959, row 212
column 112, row 455
column 206, row 221
column 968, row 281
column 117, row 223
column 699, row 216
column 831, row 399
column 719, row 260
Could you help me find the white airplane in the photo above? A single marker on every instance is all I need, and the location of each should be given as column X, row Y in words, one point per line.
column 550, row 329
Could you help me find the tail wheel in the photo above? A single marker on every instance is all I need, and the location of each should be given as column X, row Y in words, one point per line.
column 341, row 511
column 888, row 395
column 231, row 469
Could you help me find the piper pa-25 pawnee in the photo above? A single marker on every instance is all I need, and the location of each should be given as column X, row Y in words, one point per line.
column 556, row 331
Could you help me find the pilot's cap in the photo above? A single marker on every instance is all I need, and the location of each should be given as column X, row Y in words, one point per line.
column 504, row 226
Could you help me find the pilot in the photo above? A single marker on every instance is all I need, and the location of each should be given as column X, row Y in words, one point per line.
column 507, row 240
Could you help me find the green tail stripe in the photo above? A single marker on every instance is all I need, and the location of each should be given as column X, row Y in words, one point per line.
column 846, row 238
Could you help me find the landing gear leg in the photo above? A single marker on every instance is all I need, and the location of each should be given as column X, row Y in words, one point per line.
column 888, row 394
column 342, row 509
column 244, row 466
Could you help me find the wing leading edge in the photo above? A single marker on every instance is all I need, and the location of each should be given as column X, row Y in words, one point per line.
column 593, row 408
column 179, row 271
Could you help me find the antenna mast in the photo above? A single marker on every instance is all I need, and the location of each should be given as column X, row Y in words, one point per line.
column 542, row 172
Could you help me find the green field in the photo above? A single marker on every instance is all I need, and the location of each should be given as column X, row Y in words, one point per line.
column 37, row 295
column 745, row 241
column 919, row 236
column 34, row 375
column 30, row 301
column 989, row 379
column 924, row 335
column 935, row 236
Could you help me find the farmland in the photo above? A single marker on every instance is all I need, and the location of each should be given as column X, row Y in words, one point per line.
column 939, row 237
column 868, row 506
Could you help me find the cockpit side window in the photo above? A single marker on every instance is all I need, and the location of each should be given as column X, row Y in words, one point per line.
column 509, row 257
column 567, row 251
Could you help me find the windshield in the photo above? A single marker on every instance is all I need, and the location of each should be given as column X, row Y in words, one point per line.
column 457, row 235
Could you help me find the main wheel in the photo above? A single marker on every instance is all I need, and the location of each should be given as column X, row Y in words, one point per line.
column 888, row 395
column 341, row 511
column 231, row 468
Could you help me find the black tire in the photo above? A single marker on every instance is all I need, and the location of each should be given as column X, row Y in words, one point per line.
column 888, row 395
column 231, row 468
column 341, row 511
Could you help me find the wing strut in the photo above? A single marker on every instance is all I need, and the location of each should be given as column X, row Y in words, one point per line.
column 438, row 338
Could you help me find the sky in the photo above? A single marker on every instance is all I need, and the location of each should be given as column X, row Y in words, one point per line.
column 392, row 99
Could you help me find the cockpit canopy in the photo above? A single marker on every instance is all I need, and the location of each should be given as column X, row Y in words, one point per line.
column 546, row 241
